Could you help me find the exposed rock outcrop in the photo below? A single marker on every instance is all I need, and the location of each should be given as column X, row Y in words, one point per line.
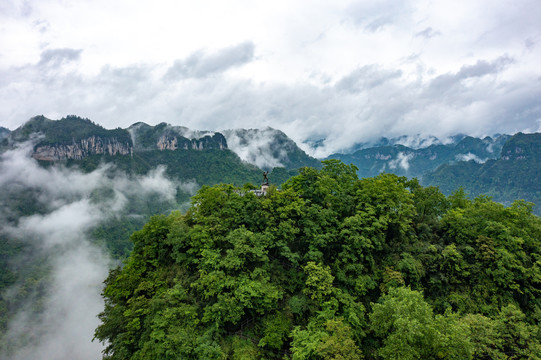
column 172, row 142
column 82, row 148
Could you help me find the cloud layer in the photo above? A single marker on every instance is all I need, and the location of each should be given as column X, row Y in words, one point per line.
column 56, row 236
column 343, row 71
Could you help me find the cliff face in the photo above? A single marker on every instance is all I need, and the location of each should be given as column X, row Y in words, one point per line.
column 74, row 138
column 172, row 142
column 84, row 147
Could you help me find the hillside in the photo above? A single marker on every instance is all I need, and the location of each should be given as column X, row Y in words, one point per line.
column 516, row 174
column 203, row 156
column 394, row 157
column 91, row 188
column 331, row 267
column 268, row 148
column 71, row 199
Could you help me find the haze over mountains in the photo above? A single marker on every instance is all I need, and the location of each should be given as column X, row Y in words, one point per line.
column 391, row 155
column 239, row 155
column 75, row 138
column 73, row 189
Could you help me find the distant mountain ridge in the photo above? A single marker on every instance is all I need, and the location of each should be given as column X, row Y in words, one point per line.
column 268, row 148
column 194, row 154
column 394, row 157
column 515, row 174
column 482, row 166
column 4, row 132
column 167, row 137
column 70, row 138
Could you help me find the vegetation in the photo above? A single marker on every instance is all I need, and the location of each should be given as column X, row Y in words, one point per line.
column 330, row 267
column 406, row 161
column 67, row 130
column 515, row 175
column 205, row 167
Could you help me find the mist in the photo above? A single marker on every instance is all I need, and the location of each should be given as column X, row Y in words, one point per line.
column 57, row 315
column 255, row 147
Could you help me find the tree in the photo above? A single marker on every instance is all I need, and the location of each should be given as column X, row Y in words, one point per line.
column 405, row 323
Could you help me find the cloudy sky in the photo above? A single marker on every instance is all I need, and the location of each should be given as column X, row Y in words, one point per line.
column 344, row 71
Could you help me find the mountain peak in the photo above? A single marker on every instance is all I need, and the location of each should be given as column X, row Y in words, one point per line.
column 267, row 148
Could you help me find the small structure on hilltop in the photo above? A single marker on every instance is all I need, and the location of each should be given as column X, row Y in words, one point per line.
column 264, row 185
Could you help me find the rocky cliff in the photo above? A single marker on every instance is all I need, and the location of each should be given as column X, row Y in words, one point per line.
column 74, row 138
column 173, row 142
column 82, row 148
column 167, row 137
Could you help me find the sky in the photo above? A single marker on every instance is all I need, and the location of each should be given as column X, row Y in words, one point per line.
column 339, row 71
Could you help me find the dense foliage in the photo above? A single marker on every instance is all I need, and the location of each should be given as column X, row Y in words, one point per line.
column 330, row 267
column 205, row 167
column 67, row 130
column 514, row 175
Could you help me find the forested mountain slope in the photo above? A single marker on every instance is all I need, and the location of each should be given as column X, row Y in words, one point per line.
column 516, row 174
column 268, row 148
column 71, row 185
column 415, row 162
column 331, row 267
column 203, row 156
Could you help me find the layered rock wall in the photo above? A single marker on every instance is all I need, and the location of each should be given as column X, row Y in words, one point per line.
column 80, row 149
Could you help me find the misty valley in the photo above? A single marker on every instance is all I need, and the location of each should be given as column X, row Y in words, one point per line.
column 151, row 242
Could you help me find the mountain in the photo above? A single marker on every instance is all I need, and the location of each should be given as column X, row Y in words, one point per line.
column 332, row 267
column 166, row 137
column 4, row 133
column 409, row 161
column 516, row 174
column 268, row 148
column 203, row 156
column 412, row 141
column 87, row 189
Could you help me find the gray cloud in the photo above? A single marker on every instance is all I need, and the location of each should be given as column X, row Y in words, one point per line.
column 200, row 64
column 366, row 78
column 369, row 102
column 58, row 57
column 428, row 33
column 480, row 68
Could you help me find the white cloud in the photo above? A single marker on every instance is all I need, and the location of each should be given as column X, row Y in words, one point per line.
column 65, row 328
column 346, row 71
column 469, row 156
column 402, row 160
column 57, row 236
column 255, row 147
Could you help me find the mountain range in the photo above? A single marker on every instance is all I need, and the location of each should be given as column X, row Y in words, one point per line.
column 514, row 174
column 238, row 156
column 71, row 188
column 231, row 156
column 390, row 155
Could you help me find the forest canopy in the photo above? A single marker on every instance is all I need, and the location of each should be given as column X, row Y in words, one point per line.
column 330, row 267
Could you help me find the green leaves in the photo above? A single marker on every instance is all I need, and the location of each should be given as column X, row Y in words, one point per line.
column 324, row 269
column 318, row 281
column 409, row 329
